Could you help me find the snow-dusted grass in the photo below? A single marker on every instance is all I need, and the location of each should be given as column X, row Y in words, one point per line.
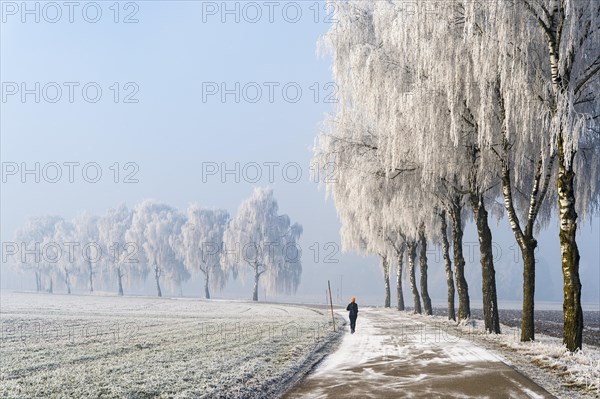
column 579, row 371
column 97, row 346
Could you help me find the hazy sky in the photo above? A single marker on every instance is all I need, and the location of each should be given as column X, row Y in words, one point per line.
column 172, row 121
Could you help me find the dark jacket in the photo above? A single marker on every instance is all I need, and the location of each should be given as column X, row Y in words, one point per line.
column 353, row 308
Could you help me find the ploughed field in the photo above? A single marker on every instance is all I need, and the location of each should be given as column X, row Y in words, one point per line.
column 138, row 347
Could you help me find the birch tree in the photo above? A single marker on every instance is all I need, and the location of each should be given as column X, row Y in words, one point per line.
column 200, row 245
column 260, row 240
column 442, row 113
column 371, row 194
column 65, row 239
column 122, row 257
column 571, row 32
column 88, row 237
column 154, row 228
column 538, row 68
column 482, row 105
column 33, row 238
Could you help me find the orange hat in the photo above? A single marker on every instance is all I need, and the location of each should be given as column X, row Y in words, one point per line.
column 353, row 299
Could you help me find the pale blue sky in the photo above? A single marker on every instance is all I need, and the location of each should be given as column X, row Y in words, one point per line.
column 170, row 132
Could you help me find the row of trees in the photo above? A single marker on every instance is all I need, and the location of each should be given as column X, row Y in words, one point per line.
column 156, row 240
column 450, row 116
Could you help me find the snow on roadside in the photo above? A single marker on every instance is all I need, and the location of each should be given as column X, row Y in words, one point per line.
column 546, row 360
column 355, row 348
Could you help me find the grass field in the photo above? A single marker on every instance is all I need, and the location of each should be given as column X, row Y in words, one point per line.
column 102, row 346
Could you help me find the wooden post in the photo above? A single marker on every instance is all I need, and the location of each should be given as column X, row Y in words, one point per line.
column 331, row 304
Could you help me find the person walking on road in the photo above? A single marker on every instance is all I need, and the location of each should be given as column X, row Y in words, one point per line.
column 353, row 308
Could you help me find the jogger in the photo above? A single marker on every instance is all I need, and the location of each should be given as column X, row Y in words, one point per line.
column 353, row 308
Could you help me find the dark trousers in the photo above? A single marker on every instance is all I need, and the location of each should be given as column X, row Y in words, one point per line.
column 352, row 323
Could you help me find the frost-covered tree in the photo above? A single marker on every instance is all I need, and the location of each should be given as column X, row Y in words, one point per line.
column 567, row 34
column 34, row 238
column 371, row 135
column 200, row 245
column 510, row 124
column 266, row 243
column 154, row 228
column 443, row 120
column 374, row 195
column 537, row 65
column 122, row 257
column 87, row 235
column 483, row 105
column 361, row 189
column 66, row 251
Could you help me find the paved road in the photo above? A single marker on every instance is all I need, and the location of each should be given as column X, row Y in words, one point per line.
column 391, row 356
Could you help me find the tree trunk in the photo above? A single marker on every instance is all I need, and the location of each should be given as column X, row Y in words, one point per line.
column 412, row 254
column 67, row 283
column 157, row 277
column 38, row 281
column 51, row 289
column 386, row 280
column 206, row 290
column 448, row 264
column 527, row 245
column 423, row 269
column 573, row 324
column 256, row 279
column 527, row 322
column 573, row 314
column 120, row 280
column 91, row 273
column 490, row 300
column 399, row 279
column 464, row 307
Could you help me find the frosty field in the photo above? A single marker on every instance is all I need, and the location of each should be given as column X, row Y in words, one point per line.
column 90, row 346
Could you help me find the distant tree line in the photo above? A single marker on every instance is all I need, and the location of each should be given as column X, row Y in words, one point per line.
column 123, row 248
